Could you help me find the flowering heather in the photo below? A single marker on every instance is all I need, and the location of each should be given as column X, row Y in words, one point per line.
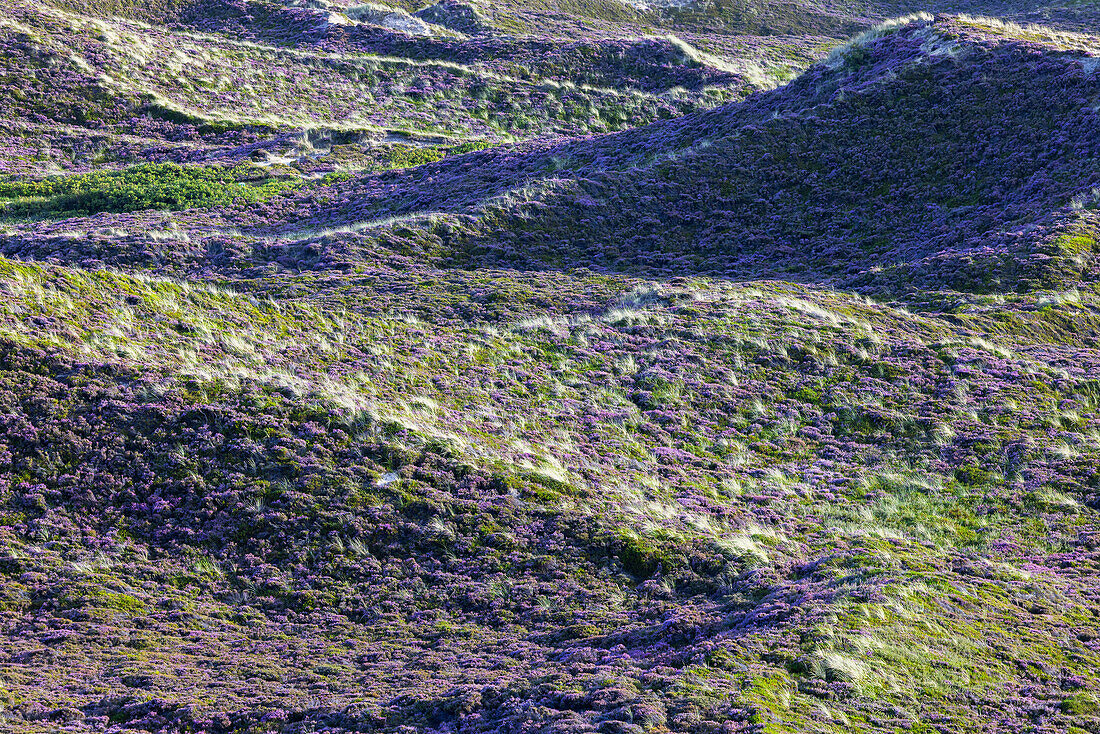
column 587, row 366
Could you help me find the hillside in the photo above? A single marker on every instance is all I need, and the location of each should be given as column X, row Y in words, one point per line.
column 768, row 408
column 222, row 82
column 896, row 166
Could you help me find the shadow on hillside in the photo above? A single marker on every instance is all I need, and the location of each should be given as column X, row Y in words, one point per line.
column 935, row 156
column 900, row 163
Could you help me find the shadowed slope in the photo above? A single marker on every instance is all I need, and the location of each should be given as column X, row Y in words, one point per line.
column 937, row 154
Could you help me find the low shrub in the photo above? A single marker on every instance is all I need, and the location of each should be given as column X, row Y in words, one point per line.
column 166, row 186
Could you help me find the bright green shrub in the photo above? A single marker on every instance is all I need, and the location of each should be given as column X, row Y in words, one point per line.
column 166, row 186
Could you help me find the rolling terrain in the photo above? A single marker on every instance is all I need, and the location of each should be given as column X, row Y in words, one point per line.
column 549, row 367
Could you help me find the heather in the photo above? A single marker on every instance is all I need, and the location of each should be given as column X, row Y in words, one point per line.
column 347, row 384
column 841, row 175
column 660, row 535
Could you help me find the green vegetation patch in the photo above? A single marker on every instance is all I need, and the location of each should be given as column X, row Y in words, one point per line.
column 167, row 186
column 1076, row 243
column 407, row 156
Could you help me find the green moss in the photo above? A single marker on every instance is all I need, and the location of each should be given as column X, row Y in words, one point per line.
column 721, row 659
column 470, row 147
column 807, row 394
column 971, row 475
column 886, row 371
column 407, row 156
column 1075, row 244
column 580, row 632
column 120, row 602
column 642, row 556
column 1081, row 704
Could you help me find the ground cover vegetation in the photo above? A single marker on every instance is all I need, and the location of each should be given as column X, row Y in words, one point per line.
column 586, row 366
